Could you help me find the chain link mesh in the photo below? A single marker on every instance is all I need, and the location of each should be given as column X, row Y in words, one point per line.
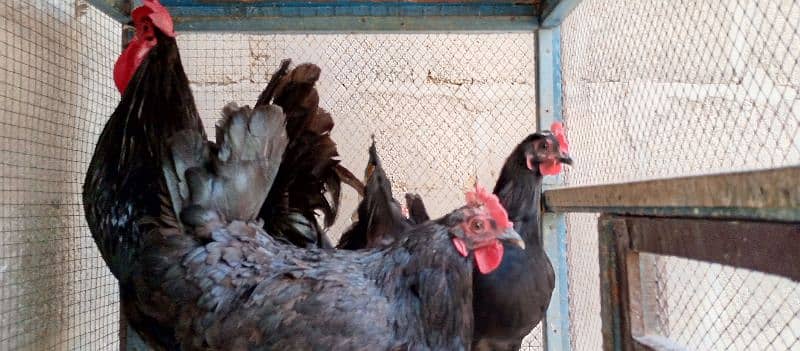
column 56, row 59
column 715, row 307
column 656, row 89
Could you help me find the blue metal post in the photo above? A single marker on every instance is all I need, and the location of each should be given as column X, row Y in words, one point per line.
column 554, row 228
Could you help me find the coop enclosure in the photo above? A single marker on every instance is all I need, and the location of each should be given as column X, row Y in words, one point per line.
column 678, row 226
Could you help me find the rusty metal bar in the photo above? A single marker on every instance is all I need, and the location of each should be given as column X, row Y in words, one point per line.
column 772, row 195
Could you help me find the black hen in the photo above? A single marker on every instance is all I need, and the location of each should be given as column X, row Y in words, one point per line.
column 380, row 218
column 223, row 283
column 310, row 176
column 512, row 300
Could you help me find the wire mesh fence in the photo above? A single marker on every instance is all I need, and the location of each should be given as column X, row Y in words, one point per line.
column 657, row 89
column 715, row 307
column 56, row 60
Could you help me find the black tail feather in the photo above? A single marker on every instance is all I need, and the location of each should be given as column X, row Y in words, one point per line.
column 416, row 209
column 309, row 179
column 380, row 219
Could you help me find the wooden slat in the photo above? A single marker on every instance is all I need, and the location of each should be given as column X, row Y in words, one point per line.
column 768, row 194
column 761, row 246
column 615, row 302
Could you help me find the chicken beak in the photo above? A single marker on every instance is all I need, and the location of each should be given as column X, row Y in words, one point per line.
column 512, row 237
column 565, row 159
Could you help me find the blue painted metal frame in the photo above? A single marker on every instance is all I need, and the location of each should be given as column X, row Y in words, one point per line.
column 554, row 227
column 342, row 16
column 116, row 9
column 555, row 11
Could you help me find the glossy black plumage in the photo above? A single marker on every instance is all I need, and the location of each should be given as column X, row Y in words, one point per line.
column 122, row 182
column 225, row 284
column 512, row 300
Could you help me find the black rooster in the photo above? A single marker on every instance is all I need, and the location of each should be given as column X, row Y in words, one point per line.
column 124, row 178
column 223, row 283
column 122, row 182
column 512, row 300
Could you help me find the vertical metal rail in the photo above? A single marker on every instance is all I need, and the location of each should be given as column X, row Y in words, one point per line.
column 554, row 226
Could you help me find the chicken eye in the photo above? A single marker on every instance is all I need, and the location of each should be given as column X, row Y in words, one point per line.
column 477, row 225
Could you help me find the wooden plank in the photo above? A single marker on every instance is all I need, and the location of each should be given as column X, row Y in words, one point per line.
column 556, row 323
column 772, row 194
column 761, row 246
column 657, row 343
column 615, row 304
column 554, row 227
column 337, row 2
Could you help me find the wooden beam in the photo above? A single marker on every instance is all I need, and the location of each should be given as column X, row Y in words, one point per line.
column 615, row 297
column 772, row 248
column 359, row 24
column 772, row 194
column 554, row 227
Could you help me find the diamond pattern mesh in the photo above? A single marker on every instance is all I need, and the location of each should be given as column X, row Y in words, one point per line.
column 656, row 89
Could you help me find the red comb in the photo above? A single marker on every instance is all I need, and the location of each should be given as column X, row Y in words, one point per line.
column 558, row 131
column 481, row 197
column 157, row 13
column 134, row 54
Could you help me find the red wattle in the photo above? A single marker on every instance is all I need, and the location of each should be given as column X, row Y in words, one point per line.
column 550, row 167
column 488, row 258
column 129, row 61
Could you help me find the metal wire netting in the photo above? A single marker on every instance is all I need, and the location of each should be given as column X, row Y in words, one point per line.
column 56, row 92
column 656, row 89
column 444, row 108
column 715, row 307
